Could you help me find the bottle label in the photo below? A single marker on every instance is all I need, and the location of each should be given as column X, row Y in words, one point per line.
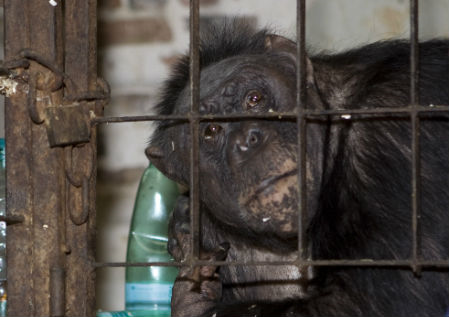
column 148, row 293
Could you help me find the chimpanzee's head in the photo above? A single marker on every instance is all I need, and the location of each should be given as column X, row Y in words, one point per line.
column 248, row 168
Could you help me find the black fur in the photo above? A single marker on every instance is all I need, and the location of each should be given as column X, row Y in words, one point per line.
column 359, row 187
column 217, row 43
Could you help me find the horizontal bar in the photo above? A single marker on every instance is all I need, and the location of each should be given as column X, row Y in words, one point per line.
column 138, row 264
column 12, row 219
column 100, row 120
column 271, row 115
column 379, row 111
column 441, row 264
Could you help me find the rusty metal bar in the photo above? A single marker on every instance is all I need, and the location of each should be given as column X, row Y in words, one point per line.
column 308, row 113
column 33, row 193
column 301, row 126
column 440, row 264
column 80, row 29
column 57, row 291
column 12, row 219
column 194, row 127
column 40, row 269
column 46, row 192
column 415, row 148
column 414, row 53
column 18, row 195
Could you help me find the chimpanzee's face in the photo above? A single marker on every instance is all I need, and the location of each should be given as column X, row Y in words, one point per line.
column 248, row 169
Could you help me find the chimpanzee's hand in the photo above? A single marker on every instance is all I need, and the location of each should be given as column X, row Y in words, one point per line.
column 197, row 289
column 179, row 230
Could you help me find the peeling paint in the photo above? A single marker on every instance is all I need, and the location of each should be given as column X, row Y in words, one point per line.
column 8, row 86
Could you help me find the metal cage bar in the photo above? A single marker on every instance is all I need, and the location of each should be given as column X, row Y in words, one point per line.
column 50, row 257
column 431, row 264
column 307, row 113
column 72, row 254
column 194, row 74
column 301, row 116
column 301, row 125
column 415, row 125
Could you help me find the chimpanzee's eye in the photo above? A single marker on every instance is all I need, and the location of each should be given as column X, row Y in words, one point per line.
column 211, row 131
column 253, row 98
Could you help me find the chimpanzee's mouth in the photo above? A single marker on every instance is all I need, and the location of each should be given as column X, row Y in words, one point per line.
column 268, row 183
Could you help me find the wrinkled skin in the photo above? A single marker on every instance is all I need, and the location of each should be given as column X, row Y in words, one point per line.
column 242, row 148
column 357, row 185
column 266, row 201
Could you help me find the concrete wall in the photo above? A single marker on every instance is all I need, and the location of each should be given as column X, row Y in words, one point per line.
column 140, row 39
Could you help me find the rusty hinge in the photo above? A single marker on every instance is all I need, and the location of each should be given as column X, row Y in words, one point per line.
column 67, row 123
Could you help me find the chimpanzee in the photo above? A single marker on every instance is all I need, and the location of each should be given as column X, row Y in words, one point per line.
column 358, row 179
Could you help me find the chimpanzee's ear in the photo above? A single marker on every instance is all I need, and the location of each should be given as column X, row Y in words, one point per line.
column 279, row 43
column 282, row 44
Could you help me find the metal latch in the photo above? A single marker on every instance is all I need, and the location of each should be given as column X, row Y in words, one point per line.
column 68, row 125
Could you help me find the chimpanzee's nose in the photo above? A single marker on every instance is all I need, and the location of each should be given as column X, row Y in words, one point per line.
column 247, row 140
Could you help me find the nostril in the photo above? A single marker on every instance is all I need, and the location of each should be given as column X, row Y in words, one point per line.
column 253, row 138
column 247, row 142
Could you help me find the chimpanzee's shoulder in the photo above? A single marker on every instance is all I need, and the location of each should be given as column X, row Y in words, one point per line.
column 387, row 51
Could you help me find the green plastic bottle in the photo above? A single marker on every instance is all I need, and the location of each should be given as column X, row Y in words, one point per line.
column 126, row 313
column 149, row 288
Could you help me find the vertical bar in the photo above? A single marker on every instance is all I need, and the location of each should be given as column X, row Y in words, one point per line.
column 34, row 173
column 415, row 123
column 80, row 30
column 301, row 126
column 194, row 126
column 414, row 53
column 18, row 186
column 57, row 292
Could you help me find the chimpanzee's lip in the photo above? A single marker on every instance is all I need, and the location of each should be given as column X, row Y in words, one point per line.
column 269, row 182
